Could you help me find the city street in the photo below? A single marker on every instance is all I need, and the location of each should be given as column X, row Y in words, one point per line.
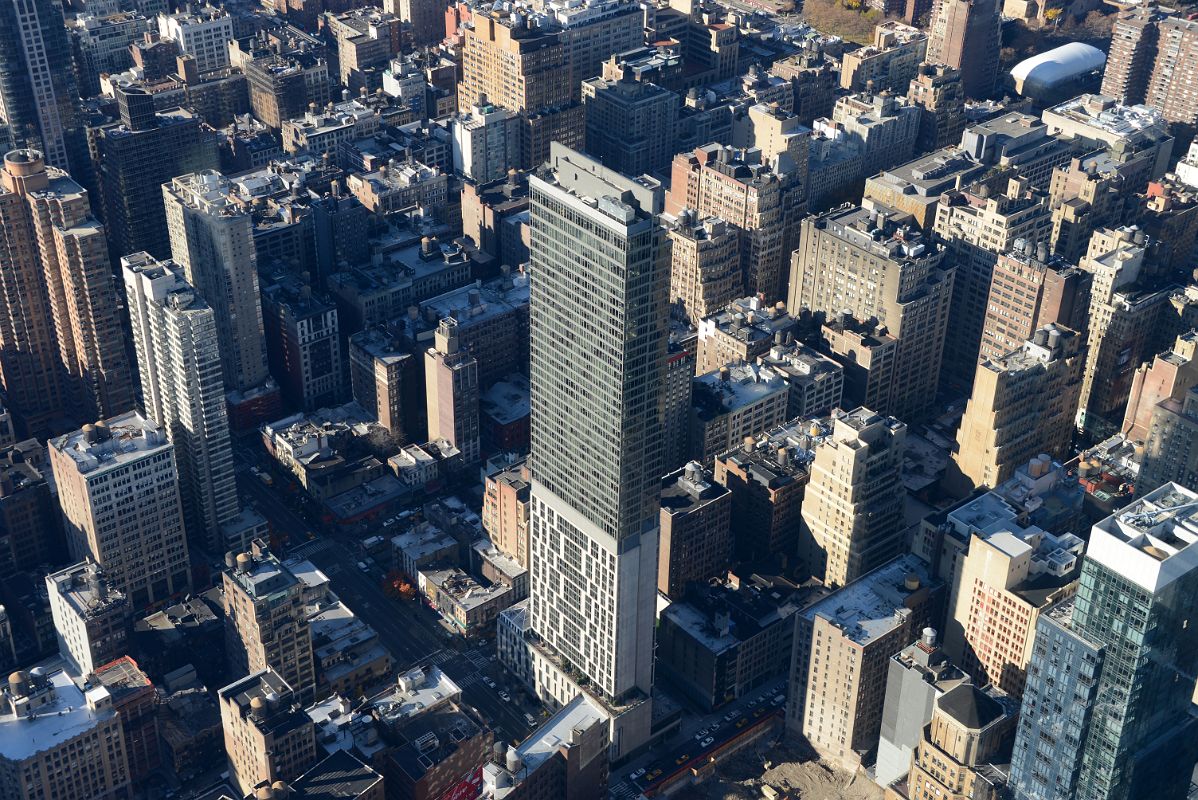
column 412, row 632
column 699, row 738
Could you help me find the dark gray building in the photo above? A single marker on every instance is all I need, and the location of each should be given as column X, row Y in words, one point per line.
column 37, row 86
column 1063, row 674
column 135, row 157
column 696, row 543
column 680, row 373
column 30, row 521
column 630, row 123
column 303, row 344
column 728, row 639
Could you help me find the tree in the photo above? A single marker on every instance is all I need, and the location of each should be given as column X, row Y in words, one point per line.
column 851, row 20
column 397, row 585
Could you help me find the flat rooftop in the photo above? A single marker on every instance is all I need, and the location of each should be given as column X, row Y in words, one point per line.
column 112, row 443
column 1152, row 542
column 689, row 488
column 209, row 192
column 462, row 587
column 342, row 724
column 431, row 739
column 191, row 613
column 86, row 590
column 1107, row 116
column 782, row 454
column 891, row 235
column 380, row 345
column 507, row 400
column 340, row 776
column 374, row 493
column 308, row 573
column 579, row 714
column 748, row 320
column 66, row 712
column 744, row 385
column 610, row 192
column 415, row 692
column 985, row 514
column 422, row 540
column 757, row 604
column 1028, row 356
column 1014, row 125
column 875, row 604
column 266, row 577
column 506, row 564
column 932, row 174
column 277, row 713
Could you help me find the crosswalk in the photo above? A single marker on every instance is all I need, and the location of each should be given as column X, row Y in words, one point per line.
column 307, row 549
column 442, row 656
column 623, row 791
column 446, row 655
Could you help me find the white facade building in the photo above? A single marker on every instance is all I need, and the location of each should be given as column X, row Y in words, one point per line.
column 174, row 334
column 90, row 616
column 1187, row 168
column 204, row 34
column 486, row 142
column 323, row 131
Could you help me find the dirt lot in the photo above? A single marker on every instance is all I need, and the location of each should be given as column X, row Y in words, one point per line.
column 792, row 772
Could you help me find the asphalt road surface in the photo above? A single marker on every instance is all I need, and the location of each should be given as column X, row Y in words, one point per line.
column 412, row 632
column 698, row 741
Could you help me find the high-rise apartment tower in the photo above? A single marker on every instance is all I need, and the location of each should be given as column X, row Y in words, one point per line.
column 1120, row 662
column 174, row 334
column 212, row 240
column 598, row 380
column 62, row 349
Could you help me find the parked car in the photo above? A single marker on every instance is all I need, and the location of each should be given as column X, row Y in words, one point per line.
column 532, row 723
column 636, row 773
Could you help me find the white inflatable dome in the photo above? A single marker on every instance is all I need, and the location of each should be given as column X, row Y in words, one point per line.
column 1044, row 71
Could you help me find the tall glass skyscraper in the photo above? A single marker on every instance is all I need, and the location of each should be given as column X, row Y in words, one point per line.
column 1106, row 711
column 598, row 371
column 37, row 88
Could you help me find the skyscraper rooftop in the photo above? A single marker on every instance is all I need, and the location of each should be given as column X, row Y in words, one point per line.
column 111, row 442
column 1152, row 541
